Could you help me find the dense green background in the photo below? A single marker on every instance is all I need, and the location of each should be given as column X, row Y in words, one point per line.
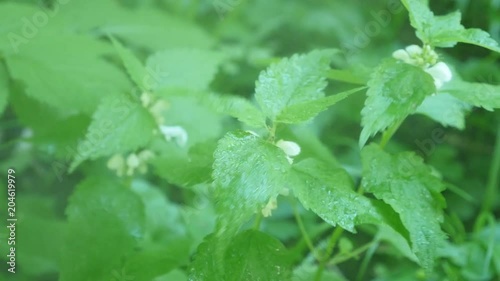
column 92, row 225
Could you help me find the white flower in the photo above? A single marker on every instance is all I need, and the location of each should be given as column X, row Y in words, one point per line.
column 425, row 58
column 290, row 148
column 441, row 74
column 175, row 132
column 401, row 55
column 117, row 163
column 414, row 51
column 270, row 206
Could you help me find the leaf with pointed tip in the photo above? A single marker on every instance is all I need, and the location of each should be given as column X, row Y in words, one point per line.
column 477, row 94
column 395, row 91
column 305, row 111
column 295, row 80
column 133, row 65
column 330, row 194
column 254, row 255
column 117, row 213
column 66, row 72
column 237, row 107
column 119, row 125
column 192, row 69
column 405, row 183
column 445, row 31
column 247, row 172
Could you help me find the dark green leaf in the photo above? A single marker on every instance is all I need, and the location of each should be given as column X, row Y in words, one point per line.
column 396, row 90
column 409, row 186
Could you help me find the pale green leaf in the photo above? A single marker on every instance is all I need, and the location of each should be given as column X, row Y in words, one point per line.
column 119, row 125
column 184, row 68
column 186, row 168
column 12, row 23
column 237, row 107
column 66, row 72
column 4, row 87
column 254, row 255
column 292, row 81
column 106, row 221
column 247, row 172
column 133, row 65
column 445, row 31
column 395, row 91
column 405, row 183
column 445, row 109
column 477, row 94
column 330, row 194
column 305, row 111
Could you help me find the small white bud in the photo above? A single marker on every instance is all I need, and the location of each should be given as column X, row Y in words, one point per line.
column 290, row 148
column 175, row 132
column 145, row 155
column 116, row 162
column 414, row 50
column 133, row 161
column 401, row 55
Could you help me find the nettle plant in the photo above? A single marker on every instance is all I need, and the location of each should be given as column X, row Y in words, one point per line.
column 241, row 160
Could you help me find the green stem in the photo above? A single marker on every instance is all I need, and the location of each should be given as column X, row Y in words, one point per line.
column 329, row 249
column 387, row 135
column 366, row 261
column 306, row 237
column 491, row 188
column 356, row 252
column 258, row 220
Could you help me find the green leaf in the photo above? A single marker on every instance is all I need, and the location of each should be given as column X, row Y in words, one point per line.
column 445, row 31
column 200, row 121
column 157, row 259
column 445, row 109
column 253, row 255
column 186, row 168
column 38, row 247
column 184, row 68
column 119, row 125
column 156, row 30
column 477, row 94
column 66, row 72
column 395, row 91
column 405, row 183
column 247, row 172
column 4, row 87
column 106, row 220
column 304, row 111
column 11, row 22
column 206, row 265
column 237, row 107
column 133, row 65
column 330, row 194
column 292, row 81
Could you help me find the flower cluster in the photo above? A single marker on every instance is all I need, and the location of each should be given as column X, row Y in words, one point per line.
column 157, row 109
column 427, row 59
column 127, row 166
